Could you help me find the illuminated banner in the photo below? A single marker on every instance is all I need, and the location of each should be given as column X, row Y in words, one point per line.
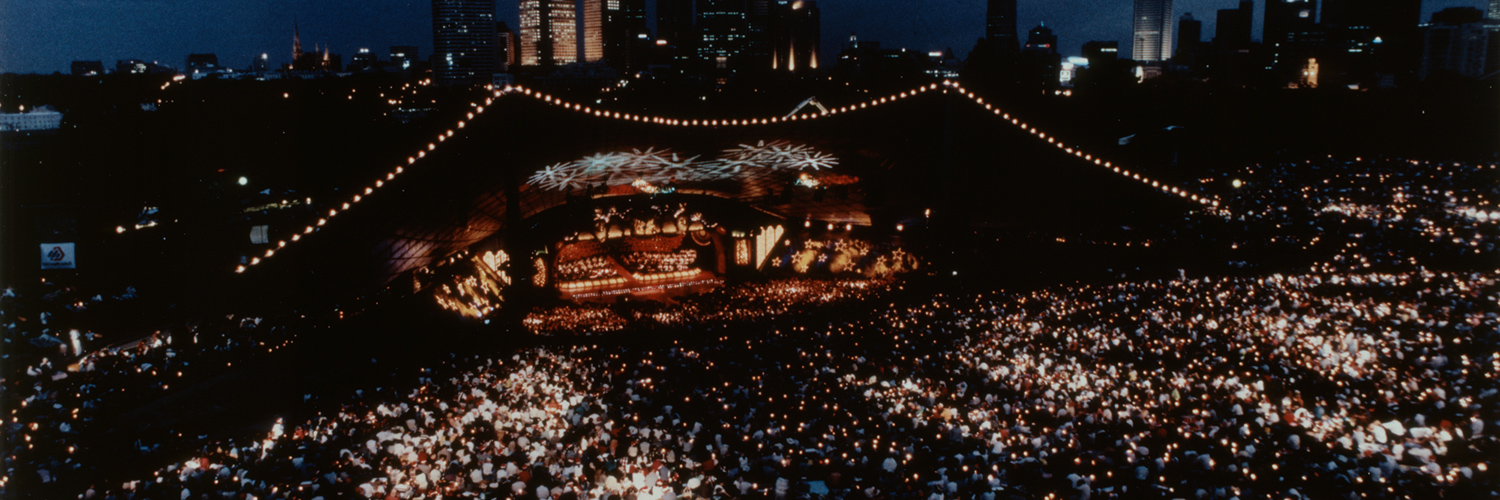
column 57, row 256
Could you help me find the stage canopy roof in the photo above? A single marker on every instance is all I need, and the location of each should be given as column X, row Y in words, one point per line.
column 879, row 162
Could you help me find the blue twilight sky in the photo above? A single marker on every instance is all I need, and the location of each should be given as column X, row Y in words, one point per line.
column 42, row 36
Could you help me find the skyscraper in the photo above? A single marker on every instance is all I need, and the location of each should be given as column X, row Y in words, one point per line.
column 593, row 30
column 463, row 41
column 1041, row 65
column 1290, row 33
column 1152, row 25
column 1236, row 59
column 674, row 22
column 1285, row 18
column 506, row 45
column 616, row 29
column 1189, row 40
column 760, row 40
column 549, row 33
column 1377, row 42
column 1455, row 43
column 723, row 27
column 1000, row 25
column 1232, row 28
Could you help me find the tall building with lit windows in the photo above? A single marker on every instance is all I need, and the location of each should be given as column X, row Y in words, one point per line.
column 723, row 32
column 675, row 35
column 1152, row 26
column 593, row 30
column 761, row 39
column 1291, row 33
column 615, row 33
column 506, row 45
column 549, row 33
column 463, row 41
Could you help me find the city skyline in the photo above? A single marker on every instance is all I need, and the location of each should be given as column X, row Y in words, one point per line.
column 43, row 37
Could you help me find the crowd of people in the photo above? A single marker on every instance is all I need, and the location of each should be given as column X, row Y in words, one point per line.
column 1309, row 386
column 60, row 391
column 1321, row 386
column 1376, row 212
column 575, row 319
column 1374, row 373
column 740, row 304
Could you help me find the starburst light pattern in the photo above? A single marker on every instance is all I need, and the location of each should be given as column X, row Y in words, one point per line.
column 658, row 166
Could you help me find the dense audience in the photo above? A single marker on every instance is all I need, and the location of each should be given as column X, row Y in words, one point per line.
column 579, row 319
column 1343, row 385
column 1372, row 213
column 55, row 398
column 742, row 305
column 1371, row 374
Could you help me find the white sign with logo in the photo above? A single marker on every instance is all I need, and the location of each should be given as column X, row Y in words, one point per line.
column 58, row 256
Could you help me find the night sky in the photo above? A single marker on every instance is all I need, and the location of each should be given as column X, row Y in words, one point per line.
column 42, row 36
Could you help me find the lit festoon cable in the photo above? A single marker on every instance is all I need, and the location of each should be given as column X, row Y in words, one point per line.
column 378, row 183
column 478, row 109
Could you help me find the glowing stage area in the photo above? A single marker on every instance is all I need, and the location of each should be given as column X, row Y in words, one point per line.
column 650, row 223
column 658, row 251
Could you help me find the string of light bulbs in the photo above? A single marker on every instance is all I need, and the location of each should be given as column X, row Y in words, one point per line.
column 478, row 108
